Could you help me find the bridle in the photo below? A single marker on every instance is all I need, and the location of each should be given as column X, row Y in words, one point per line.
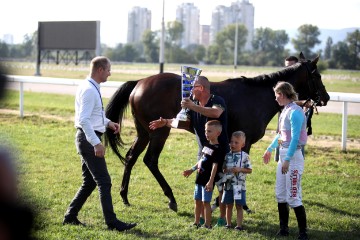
column 313, row 87
column 312, row 84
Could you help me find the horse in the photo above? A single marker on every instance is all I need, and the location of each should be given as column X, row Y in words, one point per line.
column 250, row 105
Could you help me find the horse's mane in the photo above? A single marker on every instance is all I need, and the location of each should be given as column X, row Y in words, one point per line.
column 271, row 78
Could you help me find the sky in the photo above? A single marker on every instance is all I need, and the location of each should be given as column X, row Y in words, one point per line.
column 22, row 16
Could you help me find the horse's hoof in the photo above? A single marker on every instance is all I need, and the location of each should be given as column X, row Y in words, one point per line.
column 126, row 202
column 173, row 206
column 124, row 198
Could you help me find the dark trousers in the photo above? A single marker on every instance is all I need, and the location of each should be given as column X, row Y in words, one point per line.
column 94, row 173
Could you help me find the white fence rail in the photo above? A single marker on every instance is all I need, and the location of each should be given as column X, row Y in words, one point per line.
column 334, row 96
column 345, row 98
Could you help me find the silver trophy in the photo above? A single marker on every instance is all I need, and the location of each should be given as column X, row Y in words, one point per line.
column 188, row 77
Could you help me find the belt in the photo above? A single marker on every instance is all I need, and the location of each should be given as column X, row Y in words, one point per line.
column 297, row 147
column 96, row 132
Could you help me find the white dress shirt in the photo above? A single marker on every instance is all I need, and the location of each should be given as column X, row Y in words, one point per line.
column 89, row 111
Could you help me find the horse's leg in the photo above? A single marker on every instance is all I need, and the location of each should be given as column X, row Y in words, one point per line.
column 132, row 155
column 151, row 158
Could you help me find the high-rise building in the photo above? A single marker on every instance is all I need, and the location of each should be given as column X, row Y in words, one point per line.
column 204, row 38
column 189, row 16
column 242, row 12
column 139, row 20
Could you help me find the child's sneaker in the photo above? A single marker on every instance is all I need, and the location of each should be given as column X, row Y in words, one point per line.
column 195, row 225
column 239, row 228
column 220, row 222
column 206, row 227
column 202, row 221
column 248, row 211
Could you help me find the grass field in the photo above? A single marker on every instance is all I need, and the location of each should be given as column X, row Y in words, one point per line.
column 50, row 174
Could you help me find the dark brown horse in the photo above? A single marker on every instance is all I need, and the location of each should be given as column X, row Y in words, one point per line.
column 250, row 101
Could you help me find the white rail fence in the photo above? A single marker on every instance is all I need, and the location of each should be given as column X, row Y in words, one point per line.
column 334, row 96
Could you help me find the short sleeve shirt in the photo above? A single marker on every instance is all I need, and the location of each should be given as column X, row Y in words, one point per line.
column 210, row 154
column 198, row 122
column 237, row 159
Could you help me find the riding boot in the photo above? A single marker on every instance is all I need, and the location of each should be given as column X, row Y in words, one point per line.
column 283, row 209
column 301, row 219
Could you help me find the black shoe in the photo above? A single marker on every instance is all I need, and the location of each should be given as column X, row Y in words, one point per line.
column 249, row 211
column 303, row 236
column 121, row 226
column 282, row 233
column 239, row 228
column 73, row 221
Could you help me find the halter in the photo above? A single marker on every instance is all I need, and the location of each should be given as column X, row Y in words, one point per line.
column 312, row 84
column 313, row 87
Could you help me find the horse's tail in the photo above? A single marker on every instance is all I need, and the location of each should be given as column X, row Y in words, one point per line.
column 115, row 111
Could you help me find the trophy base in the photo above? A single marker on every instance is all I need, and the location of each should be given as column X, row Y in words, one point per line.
column 180, row 124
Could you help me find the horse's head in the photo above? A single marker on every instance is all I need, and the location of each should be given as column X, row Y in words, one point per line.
column 311, row 87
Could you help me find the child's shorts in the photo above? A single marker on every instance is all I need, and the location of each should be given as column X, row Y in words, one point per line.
column 201, row 194
column 228, row 198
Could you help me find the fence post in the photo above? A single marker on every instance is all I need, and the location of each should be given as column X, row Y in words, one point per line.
column 344, row 127
column 21, row 103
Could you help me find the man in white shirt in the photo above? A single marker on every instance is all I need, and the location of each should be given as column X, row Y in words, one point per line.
column 91, row 123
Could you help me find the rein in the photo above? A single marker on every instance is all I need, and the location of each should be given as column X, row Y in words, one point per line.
column 314, row 102
column 312, row 84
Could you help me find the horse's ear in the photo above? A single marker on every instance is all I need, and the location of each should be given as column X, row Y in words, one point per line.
column 315, row 60
column 301, row 56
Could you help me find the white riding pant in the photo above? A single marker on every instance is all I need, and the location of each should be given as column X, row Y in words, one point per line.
column 288, row 186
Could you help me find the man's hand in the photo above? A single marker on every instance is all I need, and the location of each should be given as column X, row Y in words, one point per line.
column 161, row 122
column 99, row 150
column 114, row 126
column 187, row 103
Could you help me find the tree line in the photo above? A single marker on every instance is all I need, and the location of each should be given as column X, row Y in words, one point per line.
column 269, row 48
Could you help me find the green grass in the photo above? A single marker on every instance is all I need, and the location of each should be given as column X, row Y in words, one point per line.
column 50, row 171
column 50, row 175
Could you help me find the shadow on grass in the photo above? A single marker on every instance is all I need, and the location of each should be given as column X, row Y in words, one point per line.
column 147, row 235
column 331, row 209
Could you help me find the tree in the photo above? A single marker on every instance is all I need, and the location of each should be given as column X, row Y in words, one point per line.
column 172, row 41
column 151, row 46
column 174, row 32
column 346, row 54
column 306, row 39
column 340, row 55
column 4, row 50
column 269, row 46
column 225, row 43
column 353, row 40
column 197, row 51
column 128, row 53
column 327, row 51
